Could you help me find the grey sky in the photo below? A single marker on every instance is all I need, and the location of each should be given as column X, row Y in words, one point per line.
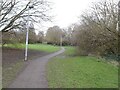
column 66, row 12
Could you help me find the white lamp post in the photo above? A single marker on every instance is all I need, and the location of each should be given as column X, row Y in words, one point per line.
column 27, row 33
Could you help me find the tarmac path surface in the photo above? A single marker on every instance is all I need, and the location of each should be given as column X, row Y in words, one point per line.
column 33, row 76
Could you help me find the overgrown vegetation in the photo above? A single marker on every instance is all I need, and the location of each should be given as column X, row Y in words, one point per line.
column 68, row 71
column 98, row 33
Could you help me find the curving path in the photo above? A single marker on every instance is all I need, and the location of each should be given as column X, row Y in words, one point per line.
column 34, row 74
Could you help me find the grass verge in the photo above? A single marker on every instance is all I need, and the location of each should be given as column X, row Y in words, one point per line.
column 80, row 72
column 39, row 47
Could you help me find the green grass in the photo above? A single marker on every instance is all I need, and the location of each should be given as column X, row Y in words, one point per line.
column 44, row 47
column 70, row 51
column 39, row 47
column 80, row 72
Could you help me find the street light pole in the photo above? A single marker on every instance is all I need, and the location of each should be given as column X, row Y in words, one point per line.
column 27, row 34
column 26, row 48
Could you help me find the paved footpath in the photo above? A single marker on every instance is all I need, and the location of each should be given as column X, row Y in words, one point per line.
column 34, row 74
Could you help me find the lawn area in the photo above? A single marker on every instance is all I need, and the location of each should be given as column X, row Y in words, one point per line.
column 40, row 47
column 44, row 47
column 66, row 71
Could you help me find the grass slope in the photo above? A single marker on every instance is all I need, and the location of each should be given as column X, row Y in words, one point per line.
column 40, row 47
column 66, row 71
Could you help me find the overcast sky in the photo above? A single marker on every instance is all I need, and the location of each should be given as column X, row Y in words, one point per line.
column 66, row 12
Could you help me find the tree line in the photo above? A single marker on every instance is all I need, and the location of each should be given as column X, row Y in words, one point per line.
column 96, row 33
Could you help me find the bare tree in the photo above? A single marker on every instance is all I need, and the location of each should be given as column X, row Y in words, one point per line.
column 97, row 30
column 14, row 11
column 54, row 35
column 40, row 37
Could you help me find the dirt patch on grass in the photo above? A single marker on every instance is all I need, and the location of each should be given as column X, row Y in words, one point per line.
column 10, row 55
